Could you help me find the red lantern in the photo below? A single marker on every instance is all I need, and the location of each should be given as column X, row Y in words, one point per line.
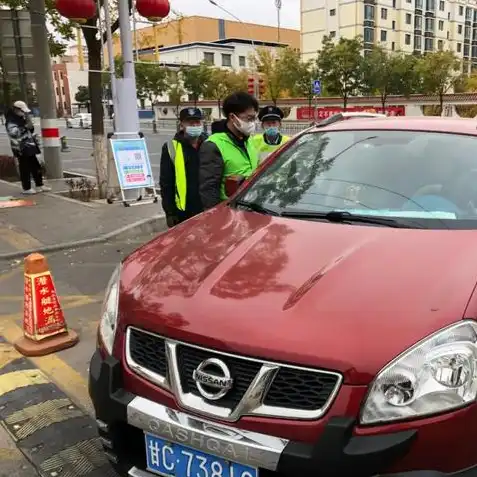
column 153, row 10
column 76, row 10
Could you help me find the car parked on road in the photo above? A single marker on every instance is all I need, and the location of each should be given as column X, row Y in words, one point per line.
column 80, row 120
column 319, row 323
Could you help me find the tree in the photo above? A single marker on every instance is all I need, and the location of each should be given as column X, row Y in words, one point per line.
column 196, row 80
column 219, row 85
column 302, row 86
column 273, row 67
column 175, row 90
column 438, row 73
column 237, row 80
column 82, row 95
column 340, row 66
column 151, row 81
column 389, row 73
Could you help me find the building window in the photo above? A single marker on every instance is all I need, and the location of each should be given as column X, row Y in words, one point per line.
column 407, row 39
column 65, row 106
column 57, row 91
column 430, row 4
column 384, row 35
column 467, row 32
column 226, row 59
column 461, row 10
column 418, row 23
column 332, row 12
column 430, row 24
column 409, row 1
column 242, row 61
column 393, row 46
column 62, row 90
column 440, row 45
column 459, row 47
column 368, row 12
column 442, row 6
column 441, row 25
column 394, row 25
column 384, row 13
column 408, row 18
column 459, row 29
column 428, row 44
column 332, row 34
column 466, row 50
column 417, row 42
column 368, row 35
column 209, row 58
column 468, row 14
column 394, row 3
column 419, row 4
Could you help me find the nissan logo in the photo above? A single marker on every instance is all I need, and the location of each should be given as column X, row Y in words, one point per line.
column 212, row 378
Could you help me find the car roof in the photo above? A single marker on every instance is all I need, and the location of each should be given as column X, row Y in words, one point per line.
column 406, row 123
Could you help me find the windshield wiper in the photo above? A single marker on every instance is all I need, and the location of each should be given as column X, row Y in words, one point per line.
column 253, row 206
column 346, row 217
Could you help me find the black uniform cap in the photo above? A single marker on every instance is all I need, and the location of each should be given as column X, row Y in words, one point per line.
column 190, row 113
column 270, row 112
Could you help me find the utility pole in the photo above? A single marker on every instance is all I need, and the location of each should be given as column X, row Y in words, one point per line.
column 44, row 83
column 278, row 4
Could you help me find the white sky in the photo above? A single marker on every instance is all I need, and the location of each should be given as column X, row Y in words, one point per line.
column 255, row 11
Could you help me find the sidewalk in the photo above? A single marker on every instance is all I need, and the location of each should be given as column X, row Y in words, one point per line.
column 57, row 223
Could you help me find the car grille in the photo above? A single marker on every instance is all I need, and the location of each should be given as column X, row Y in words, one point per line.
column 292, row 388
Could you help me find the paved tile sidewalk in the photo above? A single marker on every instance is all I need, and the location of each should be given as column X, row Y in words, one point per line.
column 56, row 219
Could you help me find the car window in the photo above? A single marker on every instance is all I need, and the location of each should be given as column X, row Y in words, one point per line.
column 428, row 176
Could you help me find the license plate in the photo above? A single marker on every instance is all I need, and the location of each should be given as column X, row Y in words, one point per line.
column 173, row 460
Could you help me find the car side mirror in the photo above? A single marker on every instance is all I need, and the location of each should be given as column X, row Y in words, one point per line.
column 232, row 184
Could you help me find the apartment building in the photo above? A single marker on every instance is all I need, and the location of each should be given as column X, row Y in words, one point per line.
column 404, row 25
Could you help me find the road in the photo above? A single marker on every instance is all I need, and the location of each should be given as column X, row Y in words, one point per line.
column 46, row 417
column 80, row 159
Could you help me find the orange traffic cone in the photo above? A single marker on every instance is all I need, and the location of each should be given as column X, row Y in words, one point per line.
column 44, row 325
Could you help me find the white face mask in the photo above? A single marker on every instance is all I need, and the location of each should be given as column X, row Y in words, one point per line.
column 247, row 128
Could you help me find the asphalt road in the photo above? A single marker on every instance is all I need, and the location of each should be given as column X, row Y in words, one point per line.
column 80, row 159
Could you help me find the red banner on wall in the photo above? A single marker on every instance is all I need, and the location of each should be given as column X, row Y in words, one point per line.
column 305, row 113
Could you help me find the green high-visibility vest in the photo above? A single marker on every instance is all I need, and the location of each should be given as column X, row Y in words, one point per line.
column 177, row 157
column 264, row 149
column 236, row 162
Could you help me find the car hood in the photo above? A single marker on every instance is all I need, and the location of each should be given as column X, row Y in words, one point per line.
column 336, row 296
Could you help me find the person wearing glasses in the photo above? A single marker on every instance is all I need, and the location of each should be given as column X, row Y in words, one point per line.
column 230, row 152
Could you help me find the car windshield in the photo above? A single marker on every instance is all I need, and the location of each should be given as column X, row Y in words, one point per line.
column 426, row 179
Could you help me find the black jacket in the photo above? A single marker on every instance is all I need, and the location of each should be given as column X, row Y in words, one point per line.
column 20, row 132
column 167, row 179
column 212, row 169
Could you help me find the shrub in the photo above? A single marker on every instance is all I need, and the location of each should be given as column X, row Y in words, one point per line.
column 8, row 168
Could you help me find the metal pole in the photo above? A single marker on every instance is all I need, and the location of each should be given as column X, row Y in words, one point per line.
column 44, row 86
column 127, row 118
column 109, row 42
column 19, row 52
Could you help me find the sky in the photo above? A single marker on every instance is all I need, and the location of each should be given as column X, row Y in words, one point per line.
column 254, row 11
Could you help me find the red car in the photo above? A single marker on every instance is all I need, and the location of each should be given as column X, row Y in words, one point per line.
column 320, row 323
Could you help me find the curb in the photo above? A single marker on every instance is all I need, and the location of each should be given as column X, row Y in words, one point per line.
column 154, row 224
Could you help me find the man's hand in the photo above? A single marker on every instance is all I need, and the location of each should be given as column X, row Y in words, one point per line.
column 172, row 220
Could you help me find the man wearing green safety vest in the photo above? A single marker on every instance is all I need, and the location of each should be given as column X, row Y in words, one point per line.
column 229, row 152
column 271, row 139
column 179, row 173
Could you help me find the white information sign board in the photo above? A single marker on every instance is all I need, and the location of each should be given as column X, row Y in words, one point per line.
column 132, row 163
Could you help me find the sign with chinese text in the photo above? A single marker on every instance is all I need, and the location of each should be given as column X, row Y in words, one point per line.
column 132, row 163
column 306, row 113
column 42, row 313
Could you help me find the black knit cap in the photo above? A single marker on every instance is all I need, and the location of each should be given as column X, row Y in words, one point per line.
column 270, row 112
column 191, row 113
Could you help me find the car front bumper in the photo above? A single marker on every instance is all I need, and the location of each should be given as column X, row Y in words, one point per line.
column 123, row 418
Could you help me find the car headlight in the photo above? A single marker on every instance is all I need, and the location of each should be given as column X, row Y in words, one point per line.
column 436, row 375
column 109, row 312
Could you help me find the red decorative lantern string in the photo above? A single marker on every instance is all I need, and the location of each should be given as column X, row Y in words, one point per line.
column 79, row 11
column 153, row 10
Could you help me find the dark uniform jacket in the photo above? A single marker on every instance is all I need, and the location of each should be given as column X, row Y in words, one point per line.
column 167, row 179
column 212, row 168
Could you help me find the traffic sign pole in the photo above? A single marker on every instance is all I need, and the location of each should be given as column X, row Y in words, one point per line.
column 316, row 86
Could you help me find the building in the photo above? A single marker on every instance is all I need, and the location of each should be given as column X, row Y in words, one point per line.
column 193, row 29
column 404, row 25
column 68, row 75
column 232, row 53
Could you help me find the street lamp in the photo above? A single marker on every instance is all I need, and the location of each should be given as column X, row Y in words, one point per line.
column 213, row 2
column 278, row 4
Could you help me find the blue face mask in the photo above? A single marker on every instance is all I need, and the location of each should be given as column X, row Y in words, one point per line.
column 194, row 131
column 272, row 132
